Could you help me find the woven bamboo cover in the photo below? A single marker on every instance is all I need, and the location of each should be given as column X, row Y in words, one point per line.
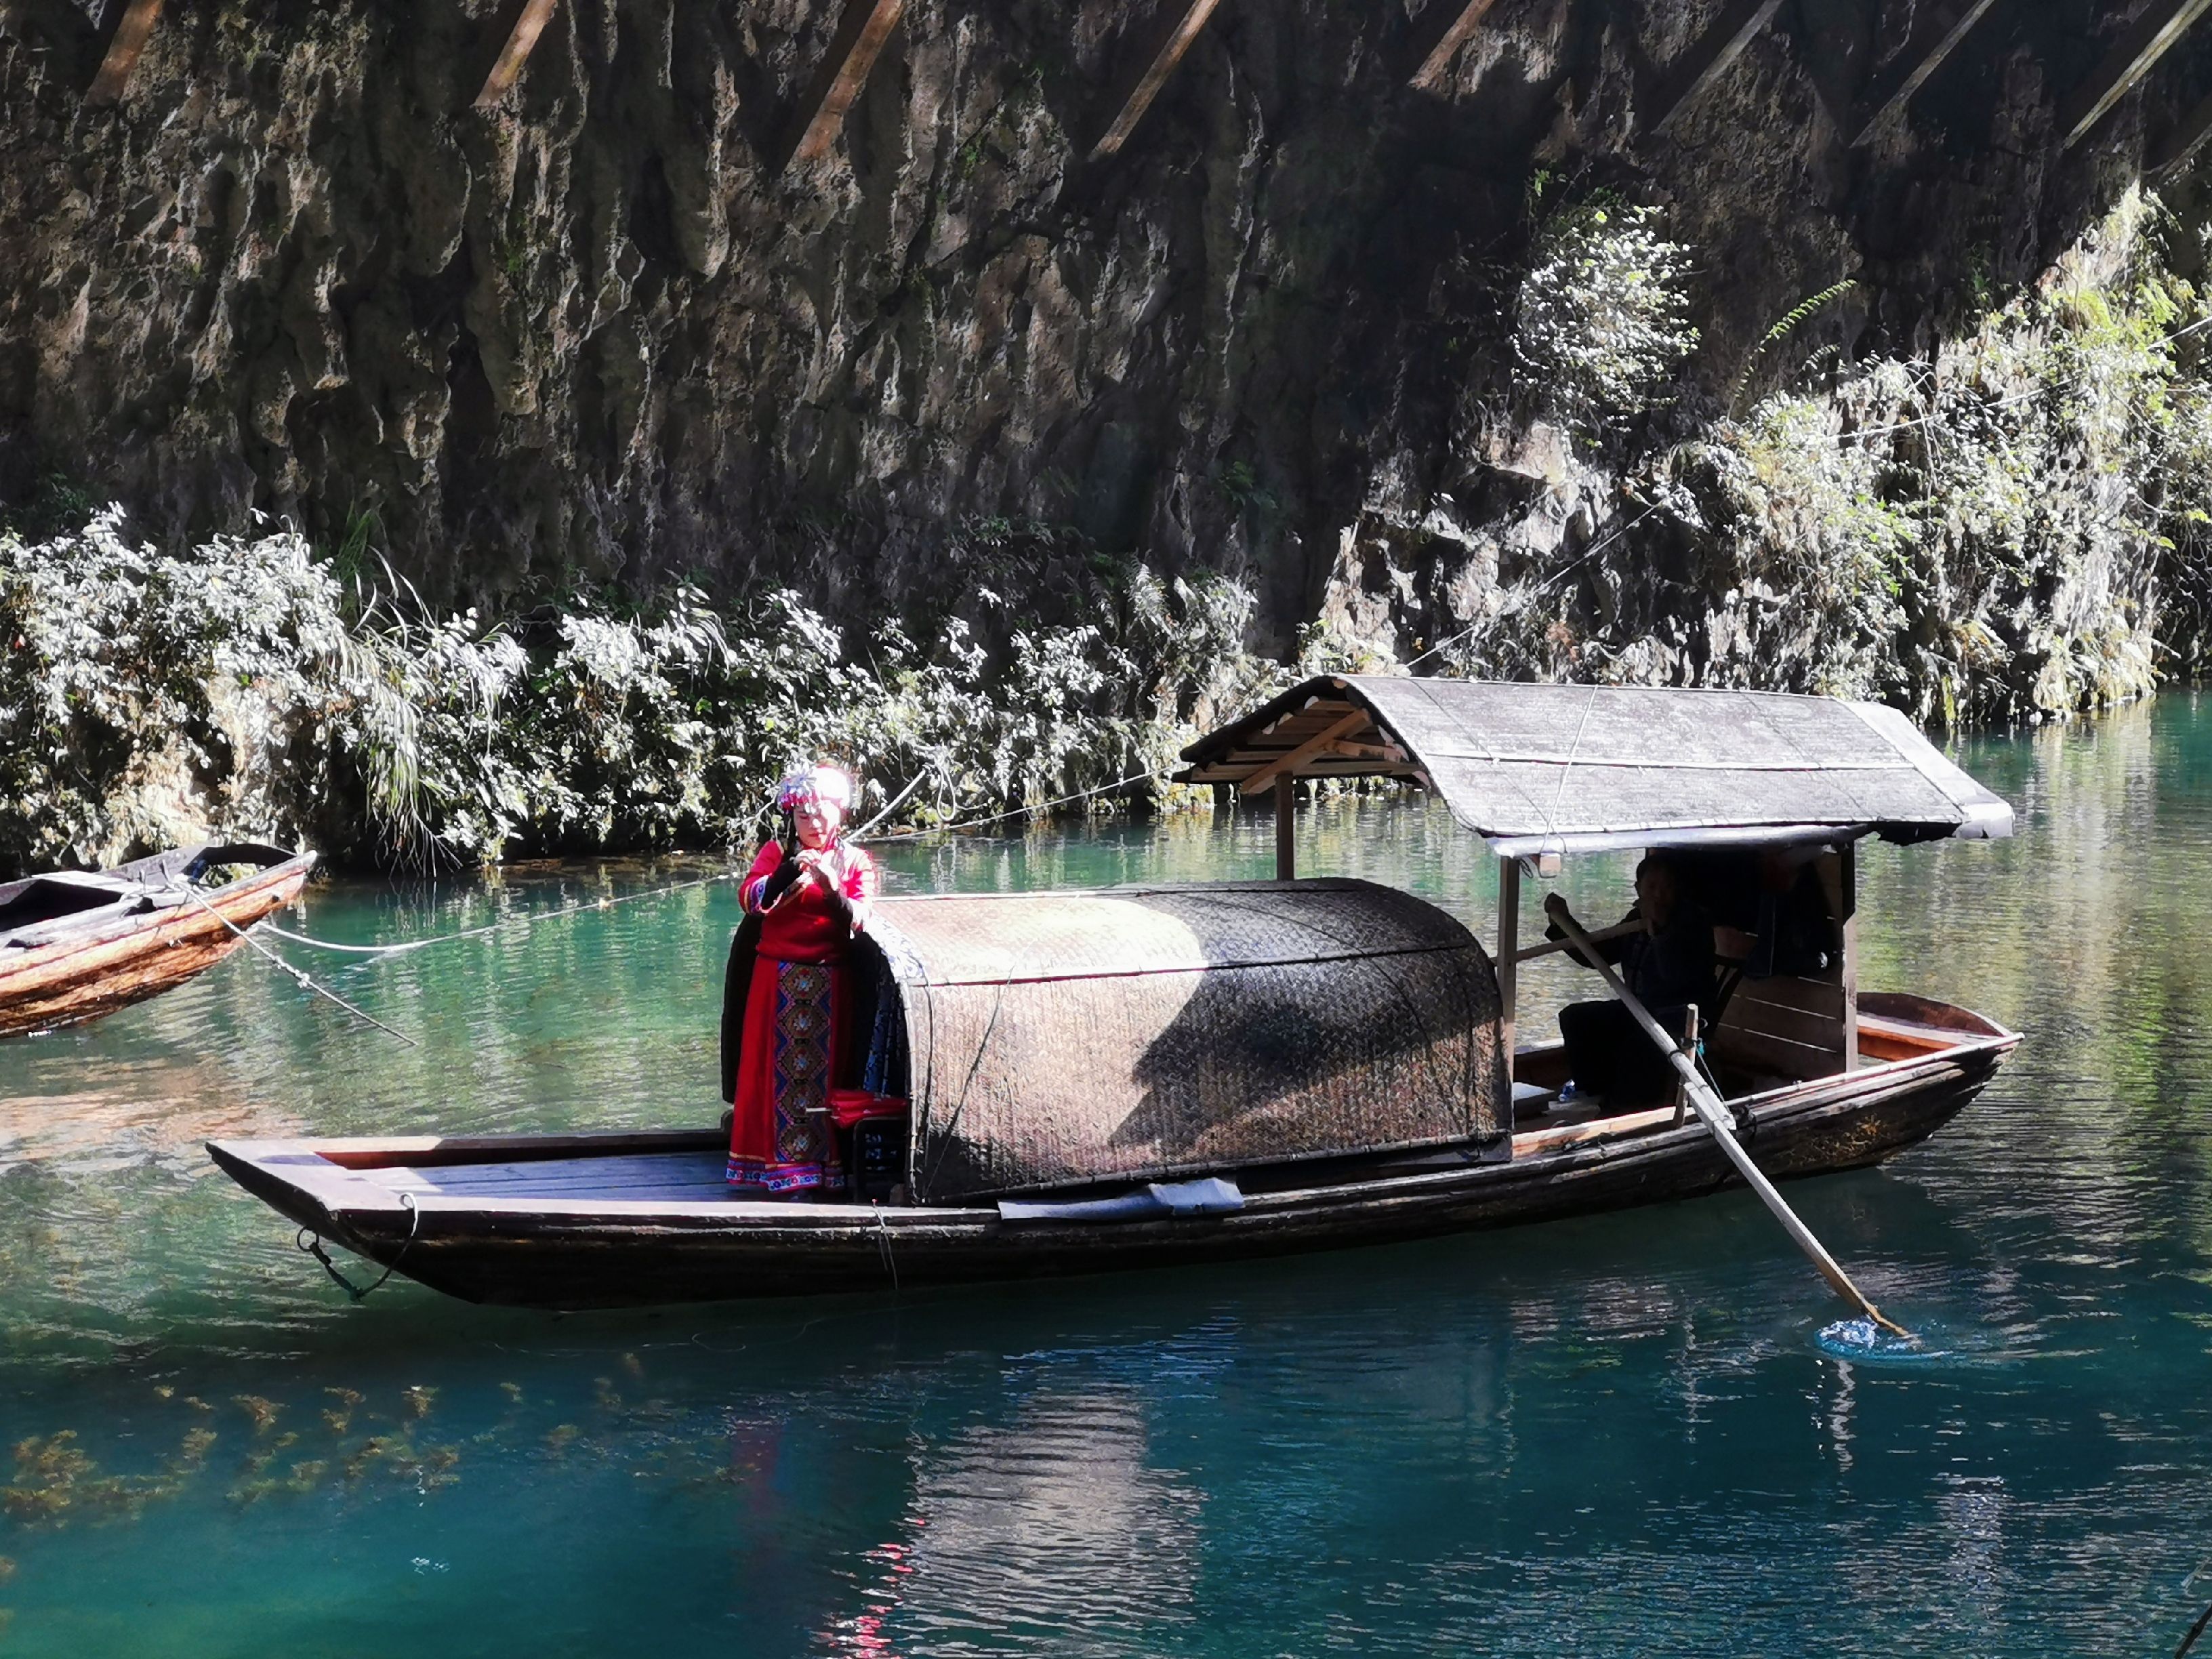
column 1061, row 1039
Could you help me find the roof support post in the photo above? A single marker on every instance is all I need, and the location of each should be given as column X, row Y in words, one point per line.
column 1286, row 856
column 2162, row 23
column 1509, row 946
column 1457, row 34
column 1715, row 51
column 1180, row 24
column 520, row 41
column 1849, row 883
column 123, row 49
column 853, row 52
column 1922, row 56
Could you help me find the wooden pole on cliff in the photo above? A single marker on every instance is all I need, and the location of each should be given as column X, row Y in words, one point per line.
column 861, row 33
column 122, row 56
column 1714, row 1114
column 528, row 27
column 1178, row 27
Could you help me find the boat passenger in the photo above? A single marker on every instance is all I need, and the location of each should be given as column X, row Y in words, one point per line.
column 1780, row 915
column 1668, row 966
column 784, row 998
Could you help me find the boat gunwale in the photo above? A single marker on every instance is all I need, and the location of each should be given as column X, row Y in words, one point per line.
column 41, row 958
column 352, row 1207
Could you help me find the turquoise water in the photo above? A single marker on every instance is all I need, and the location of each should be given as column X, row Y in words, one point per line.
column 1623, row 1435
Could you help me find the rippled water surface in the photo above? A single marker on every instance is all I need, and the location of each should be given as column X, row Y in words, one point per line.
column 1622, row 1435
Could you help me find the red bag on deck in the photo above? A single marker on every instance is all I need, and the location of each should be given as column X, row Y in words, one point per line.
column 849, row 1106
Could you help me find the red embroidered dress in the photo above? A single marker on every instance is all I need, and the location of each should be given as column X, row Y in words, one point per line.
column 780, row 1139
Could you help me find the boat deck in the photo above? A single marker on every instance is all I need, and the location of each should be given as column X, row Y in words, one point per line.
column 690, row 1171
column 659, row 1177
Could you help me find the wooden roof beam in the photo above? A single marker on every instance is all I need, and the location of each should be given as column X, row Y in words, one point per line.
column 861, row 33
column 1286, row 763
column 1739, row 24
column 1924, row 54
column 1179, row 26
column 529, row 24
column 2162, row 23
column 1457, row 34
column 123, row 49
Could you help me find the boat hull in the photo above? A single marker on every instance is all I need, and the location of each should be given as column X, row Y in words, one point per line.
column 127, row 961
column 588, row 1251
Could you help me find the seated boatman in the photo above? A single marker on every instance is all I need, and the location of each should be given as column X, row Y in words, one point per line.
column 1668, row 966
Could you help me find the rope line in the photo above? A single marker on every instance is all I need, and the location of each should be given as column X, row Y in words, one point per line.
column 1011, row 813
column 525, row 920
column 375, row 950
column 308, row 1241
column 298, row 974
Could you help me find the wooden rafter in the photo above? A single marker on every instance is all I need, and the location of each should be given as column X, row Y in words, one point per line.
column 528, row 26
column 122, row 56
column 1287, row 763
column 1179, row 26
column 2162, row 23
column 1716, row 51
column 1924, row 54
column 1457, row 34
column 853, row 52
column 2187, row 138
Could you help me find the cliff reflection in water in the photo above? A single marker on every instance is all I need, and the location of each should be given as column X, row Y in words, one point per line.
column 1613, row 1434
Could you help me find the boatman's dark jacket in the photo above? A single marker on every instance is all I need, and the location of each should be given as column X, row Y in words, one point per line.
column 1667, row 968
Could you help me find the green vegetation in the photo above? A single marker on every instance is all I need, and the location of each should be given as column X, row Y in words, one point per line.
column 245, row 686
column 2016, row 528
column 1603, row 316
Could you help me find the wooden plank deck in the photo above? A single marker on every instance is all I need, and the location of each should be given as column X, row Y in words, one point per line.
column 686, row 1176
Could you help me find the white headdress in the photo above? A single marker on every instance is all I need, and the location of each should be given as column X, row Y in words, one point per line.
column 830, row 784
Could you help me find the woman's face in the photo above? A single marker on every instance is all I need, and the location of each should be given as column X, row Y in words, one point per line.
column 818, row 822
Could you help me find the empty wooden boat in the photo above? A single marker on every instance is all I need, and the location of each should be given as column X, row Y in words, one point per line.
column 76, row 944
column 1145, row 1076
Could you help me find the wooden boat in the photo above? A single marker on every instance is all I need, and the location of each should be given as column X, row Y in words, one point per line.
column 1146, row 1076
column 75, row 946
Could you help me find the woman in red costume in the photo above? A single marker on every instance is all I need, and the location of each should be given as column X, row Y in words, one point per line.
column 785, row 997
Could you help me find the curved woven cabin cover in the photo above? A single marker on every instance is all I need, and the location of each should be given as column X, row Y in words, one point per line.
column 1059, row 1039
column 1555, row 769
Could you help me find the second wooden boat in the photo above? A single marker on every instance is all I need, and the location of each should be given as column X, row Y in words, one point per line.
column 75, row 946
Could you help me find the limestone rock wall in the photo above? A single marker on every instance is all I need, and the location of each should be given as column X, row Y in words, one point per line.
column 600, row 334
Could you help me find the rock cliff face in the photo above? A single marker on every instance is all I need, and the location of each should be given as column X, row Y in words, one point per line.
column 603, row 333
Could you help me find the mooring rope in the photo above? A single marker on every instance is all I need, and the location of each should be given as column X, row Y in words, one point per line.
column 298, row 974
column 528, row 921
column 884, row 1244
column 524, row 919
column 376, row 950
column 308, row 1241
column 1011, row 813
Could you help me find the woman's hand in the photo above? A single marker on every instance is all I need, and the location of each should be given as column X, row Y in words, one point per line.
column 798, row 872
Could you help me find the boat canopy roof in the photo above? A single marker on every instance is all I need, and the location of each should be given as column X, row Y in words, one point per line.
column 1060, row 1039
column 1554, row 768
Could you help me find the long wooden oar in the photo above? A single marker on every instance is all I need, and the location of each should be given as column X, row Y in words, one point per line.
column 1714, row 1116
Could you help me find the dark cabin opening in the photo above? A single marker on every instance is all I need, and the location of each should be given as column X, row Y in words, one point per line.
column 41, row 900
